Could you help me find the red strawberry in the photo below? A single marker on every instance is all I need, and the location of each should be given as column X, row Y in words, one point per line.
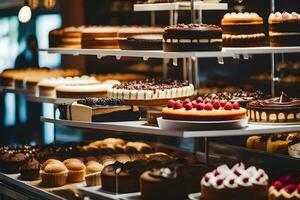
column 207, row 100
column 200, row 106
column 194, row 103
column 186, row 101
column 245, row 180
column 290, row 188
column 286, row 180
column 199, row 100
column 216, row 105
column 219, row 182
column 188, row 106
column 171, row 103
column 223, row 103
column 231, row 182
column 228, row 106
column 236, row 105
column 278, row 185
column 208, row 106
column 206, row 178
column 178, row 105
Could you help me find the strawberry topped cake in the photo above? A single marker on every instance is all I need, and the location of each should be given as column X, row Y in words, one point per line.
column 286, row 187
column 203, row 110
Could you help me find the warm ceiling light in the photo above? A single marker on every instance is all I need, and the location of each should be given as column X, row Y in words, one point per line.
column 24, row 14
column 33, row 4
column 49, row 4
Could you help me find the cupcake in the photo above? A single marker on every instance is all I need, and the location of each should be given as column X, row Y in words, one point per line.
column 54, row 173
column 30, row 171
column 93, row 173
column 76, row 170
column 10, row 162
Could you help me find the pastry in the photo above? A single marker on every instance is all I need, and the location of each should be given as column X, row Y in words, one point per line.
column 203, row 110
column 283, row 29
column 76, row 170
column 279, row 109
column 54, row 173
column 10, row 162
column 285, row 188
column 257, row 142
column 122, row 158
column 98, row 110
column 30, row 170
column 294, row 147
column 278, row 143
column 243, row 30
column 142, row 42
column 93, row 173
column 192, row 37
column 235, row 183
column 151, row 92
column 137, row 147
column 106, row 160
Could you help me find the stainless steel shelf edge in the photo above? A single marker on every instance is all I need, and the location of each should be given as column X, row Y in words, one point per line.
column 141, row 127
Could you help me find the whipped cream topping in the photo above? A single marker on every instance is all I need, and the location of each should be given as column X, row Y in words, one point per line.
column 237, row 176
column 284, row 16
column 245, row 15
column 67, row 81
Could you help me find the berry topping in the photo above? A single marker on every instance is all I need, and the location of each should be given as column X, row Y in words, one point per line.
column 290, row 188
column 231, row 182
column 188, row 106
column 246, row 180
column 200, row 106
column 236, row 106
column 208, row 106
column 186, row 101
column 228, row 106
column 286, row 179
column 199, row 100
column 178, row 105
column 219, row 182
column 207, row 100
column 258, row 178
column 171, row 103
column 216, row 105
column 216, row 173
column 298, row 188
column 206, row 178
column 223, row 103
column 277, row 185
column 194, row 103
column 237, row 173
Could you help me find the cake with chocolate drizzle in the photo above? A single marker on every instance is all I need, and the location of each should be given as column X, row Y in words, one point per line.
column 279, row 109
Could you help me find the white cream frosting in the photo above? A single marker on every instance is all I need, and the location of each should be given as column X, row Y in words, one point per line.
column 284, row 16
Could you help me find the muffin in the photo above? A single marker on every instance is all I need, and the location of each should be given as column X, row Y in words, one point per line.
column 76, row 170
column 30, row 170
column 10, row 162
column 93, row 173
column 54, row 174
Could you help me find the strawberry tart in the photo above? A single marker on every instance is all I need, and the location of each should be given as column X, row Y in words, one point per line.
column 286, row 187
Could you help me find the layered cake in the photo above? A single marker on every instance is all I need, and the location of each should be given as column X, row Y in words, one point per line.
column 279, row 109
column 243, row 30
column 192, row 37
column 55, row 37
column 71, row 37
column 235, row 183
column 151, row 92
column 203, row 110
column 87, row 90
column 285, row 188
column 284, row 29
column 126, row 32
column 142, row 42
column 99, row 110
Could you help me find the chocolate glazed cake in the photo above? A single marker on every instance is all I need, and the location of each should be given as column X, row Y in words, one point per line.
column 279, row 109
column 192, row 37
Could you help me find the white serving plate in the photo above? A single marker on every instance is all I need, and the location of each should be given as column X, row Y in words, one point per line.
column 195, row 196
column 201, row 125
column 97, row 192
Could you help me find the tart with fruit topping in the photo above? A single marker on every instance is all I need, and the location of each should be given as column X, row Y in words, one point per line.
column 286, row 187
column 203, row 110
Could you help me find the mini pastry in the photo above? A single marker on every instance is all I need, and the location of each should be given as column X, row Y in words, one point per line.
column 93, row 173
column 294, row 147
column 137, row 147
column 54, row 174
column 257, row 142
column 122, row 158
column 106, row 160
column 278, row 144
column 30, row 170
column 76, row 170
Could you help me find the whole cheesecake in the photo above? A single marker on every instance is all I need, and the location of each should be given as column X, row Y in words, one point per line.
column 279, row 109
column 243, row 30
column 284, row 29
column 192, row 37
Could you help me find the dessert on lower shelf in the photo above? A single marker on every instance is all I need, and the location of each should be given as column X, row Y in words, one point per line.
column 284, row 29
column 30, row 171
column 142, row 42
column 243, row 30
column 99, row 110
column 87, row 90
column 192, row 37
column 54, row 173
column 203, row 110
column 93, row 173
column 294, row 147
column 281, row 109
column 151, row 92
column 278, row 143
column 285, row 188
column 76, row 170
column 257, row 142
column 235, row 183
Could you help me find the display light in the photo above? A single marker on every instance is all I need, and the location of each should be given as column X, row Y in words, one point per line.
column 24, row 14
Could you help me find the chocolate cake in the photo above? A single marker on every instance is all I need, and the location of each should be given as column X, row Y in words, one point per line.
column 284, row 29
column 99, row 110
column 142, row 42
column 192, row 37
column 279, row 109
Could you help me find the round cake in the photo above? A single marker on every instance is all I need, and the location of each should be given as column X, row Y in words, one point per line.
column 151, row 92
column 243, row 30
column 192, row 37
column 203, row 110
column 284, row 29
column 279, row 109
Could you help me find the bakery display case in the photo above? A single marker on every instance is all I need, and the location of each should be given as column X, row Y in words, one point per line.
column 161, row 138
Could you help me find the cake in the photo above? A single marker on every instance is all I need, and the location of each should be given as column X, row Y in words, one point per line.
column 30, row 170
column 55, row 37
column 142, row 42
column 87, row 90
column 257, row 142
column 151, row 92
column 279, row 109
column 203, row 110
column 284, row 29
column 54, row 173
column 76, row 170
column 192, row 37
column 235, row 183
column 71, row 37
column 294, row 147
column 285, row 188
column 243, row 30
column 126, row 32
column 93, row 173
column 98, row 110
